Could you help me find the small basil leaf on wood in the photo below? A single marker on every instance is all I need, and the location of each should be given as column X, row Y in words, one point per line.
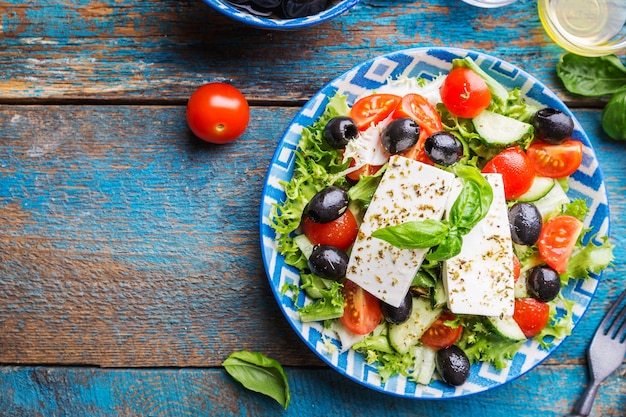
column 414, row 234
column 614, row 116
column 591, row 76
column 259, row 373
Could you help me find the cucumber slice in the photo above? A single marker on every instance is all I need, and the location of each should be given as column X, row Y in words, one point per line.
column 507, row 327
column 405, row 335
column 496, row 129
column 540, row 187
column 304, row 244
column 424, row 365
column 438, row 296
column 552, row 203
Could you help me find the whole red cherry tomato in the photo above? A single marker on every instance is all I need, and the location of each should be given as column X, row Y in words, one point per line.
column 218, row 113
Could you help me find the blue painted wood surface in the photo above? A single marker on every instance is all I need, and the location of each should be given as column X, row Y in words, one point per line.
column 129, row 258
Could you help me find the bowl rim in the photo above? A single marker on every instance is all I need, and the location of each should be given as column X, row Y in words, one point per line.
column 240, row 15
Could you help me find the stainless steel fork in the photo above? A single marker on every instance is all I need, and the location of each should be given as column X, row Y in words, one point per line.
column 606, row 352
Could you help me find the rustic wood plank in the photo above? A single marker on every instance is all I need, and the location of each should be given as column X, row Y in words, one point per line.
column 78, row 392
column 120, row 247
column 162, row 51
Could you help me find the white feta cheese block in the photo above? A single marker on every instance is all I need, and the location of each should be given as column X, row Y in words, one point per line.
column 408, row 191
column 480, row 279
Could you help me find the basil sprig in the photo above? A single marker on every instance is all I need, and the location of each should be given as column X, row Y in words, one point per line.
column 259, row 373
column 445, row 236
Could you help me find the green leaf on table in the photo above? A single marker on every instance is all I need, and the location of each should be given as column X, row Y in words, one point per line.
column 591, row 76
column 259, row 373
column 614, row 116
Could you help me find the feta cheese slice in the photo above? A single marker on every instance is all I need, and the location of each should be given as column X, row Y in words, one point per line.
column 408, row 191
column 480, row 279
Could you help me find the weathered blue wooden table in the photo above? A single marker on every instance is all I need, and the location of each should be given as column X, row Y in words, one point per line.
column 129, row 259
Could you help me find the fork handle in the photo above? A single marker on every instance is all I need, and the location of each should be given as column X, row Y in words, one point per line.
column 584, row 404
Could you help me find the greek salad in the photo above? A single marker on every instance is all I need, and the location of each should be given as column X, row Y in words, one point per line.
column 431, row 225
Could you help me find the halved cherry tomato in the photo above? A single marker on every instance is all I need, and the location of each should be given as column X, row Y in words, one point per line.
column 440, row 335
column 218, row 113
column 340, row 232
column 465, row 93
column 361, row 310
column 517, row 171
column 366, row 169
column 418, row 108
column 373, row 109
column 557, row 239
column 417, row 152
column 531, row 315
column 556, row 161
column 517, row 268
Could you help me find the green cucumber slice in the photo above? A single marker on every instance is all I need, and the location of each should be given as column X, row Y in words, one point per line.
column 507, row 327
column 540, row 187
column 496, row 129
column 405, row 335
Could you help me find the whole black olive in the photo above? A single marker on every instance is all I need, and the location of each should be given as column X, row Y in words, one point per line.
column 328, row 204
column 443, row 148
column 400, row 135
column 300, row 8
column 339, row 131
column 552, row 125
column 453, row 365
column 266, row 4
column 543, row 283
column 525, row 223
column 400, row 314
column 327, row 261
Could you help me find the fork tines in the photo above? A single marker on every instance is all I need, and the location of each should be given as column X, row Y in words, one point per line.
column 615, row 326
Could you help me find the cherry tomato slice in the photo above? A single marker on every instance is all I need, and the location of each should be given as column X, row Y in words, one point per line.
column 556, row 161
column 557, row 239
column 517, row 171
column 361, row 310
column 218, row 113
column 517, row 268
column 440, row 335
column 418, row 108
column 340, row 232
column 365, row 170
column 531, row 315
column 373, row 109
column 417, row 152
column 465, row 93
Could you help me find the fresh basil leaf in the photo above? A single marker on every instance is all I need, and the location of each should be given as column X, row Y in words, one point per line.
column 470, row 173
column 467, row 208
column 259, row 373
column 614, row 116
column 448, row 248
column 591, row 76
column 414, row 235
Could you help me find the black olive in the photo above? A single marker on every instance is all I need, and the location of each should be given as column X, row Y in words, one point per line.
column 327, row 261
column 543, row 283
column 266, row 4
column 400, row 135
column 400, row 314
column 339, row 131
column 301, row 8
column 552, row 125
column 453, row 365
column 525, row 223
column 443, row 148
column 328, row 205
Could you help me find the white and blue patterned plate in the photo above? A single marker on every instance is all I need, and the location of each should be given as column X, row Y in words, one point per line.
column 586, row 183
